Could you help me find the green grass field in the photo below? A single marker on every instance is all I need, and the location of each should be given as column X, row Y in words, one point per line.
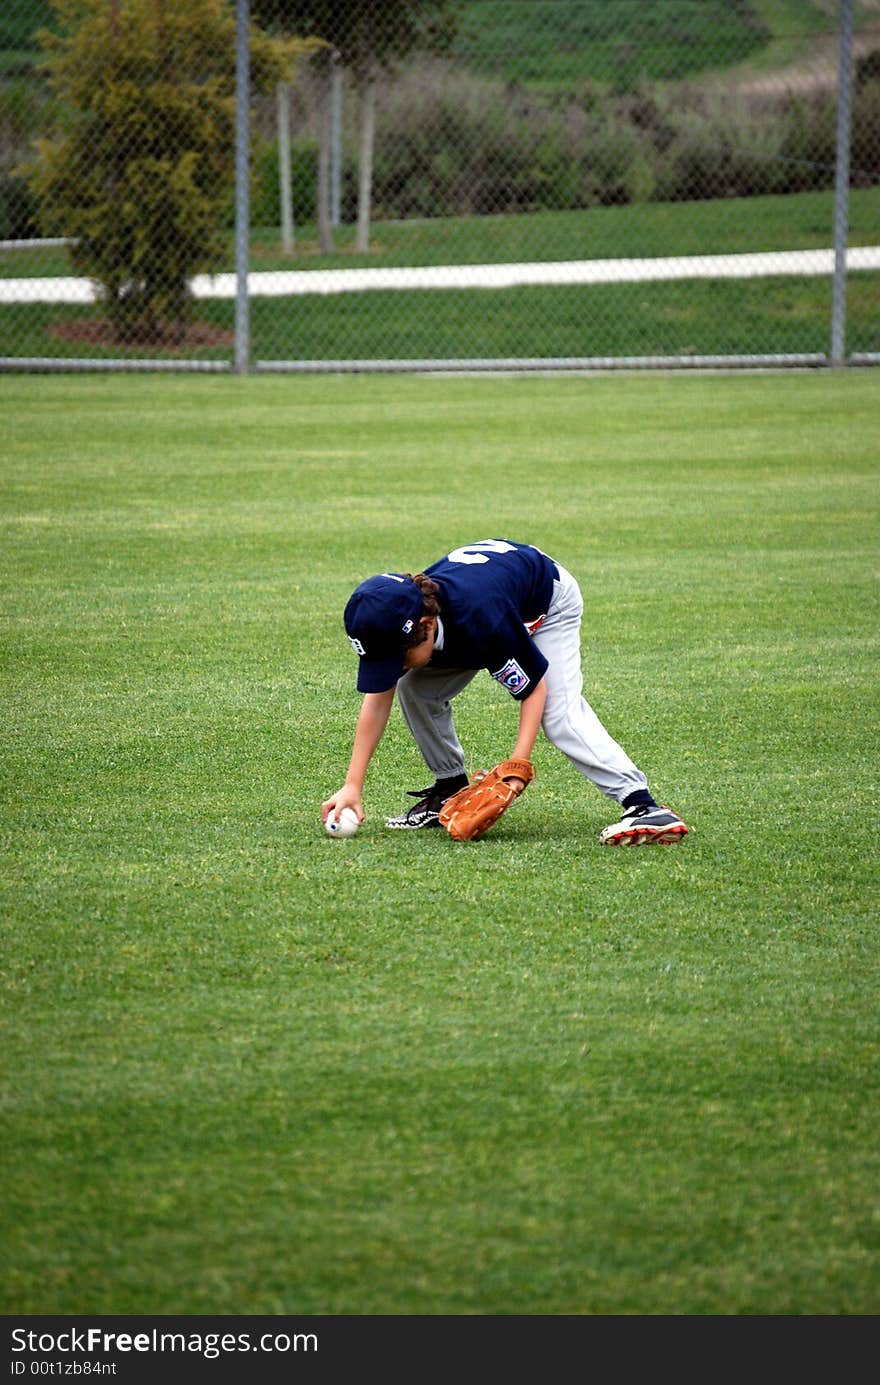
column 251, row 1070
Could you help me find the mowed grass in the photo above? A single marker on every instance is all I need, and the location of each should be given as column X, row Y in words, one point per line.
column 251, row 1070
column 774, row 316
column 731, row 226
column 782, row 315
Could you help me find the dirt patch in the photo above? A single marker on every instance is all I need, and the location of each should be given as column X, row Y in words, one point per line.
column 817, row 74
column 168, row 336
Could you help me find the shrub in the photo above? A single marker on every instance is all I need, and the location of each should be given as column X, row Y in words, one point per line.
column 865, row 151
column 452, row 147
column 19, row 213
column 141, row 174
column 449, row 145
column 722, row 148
column 266, row 192
column 618, row 163
column 809, row 146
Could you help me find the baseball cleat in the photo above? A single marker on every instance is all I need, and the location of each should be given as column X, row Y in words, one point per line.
column 642, row 825
column 425, row 813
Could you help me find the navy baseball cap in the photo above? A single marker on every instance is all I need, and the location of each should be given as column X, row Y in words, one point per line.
column 380, row 616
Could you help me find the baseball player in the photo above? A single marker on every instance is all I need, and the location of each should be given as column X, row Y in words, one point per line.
column 497, row 605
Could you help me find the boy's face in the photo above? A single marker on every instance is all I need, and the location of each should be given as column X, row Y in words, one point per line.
column 418, row 655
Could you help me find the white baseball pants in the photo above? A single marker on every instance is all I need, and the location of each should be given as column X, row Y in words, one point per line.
column 569, row 721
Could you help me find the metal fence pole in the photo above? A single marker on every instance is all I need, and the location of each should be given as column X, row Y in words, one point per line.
column 242, row 186
column 841, row 187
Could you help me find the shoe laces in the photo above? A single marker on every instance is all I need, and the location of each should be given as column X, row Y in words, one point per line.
column 420, row 793
column 427, row 798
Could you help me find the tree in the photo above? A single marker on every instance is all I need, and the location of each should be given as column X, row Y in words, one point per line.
column 368, row 36
column 140, row 175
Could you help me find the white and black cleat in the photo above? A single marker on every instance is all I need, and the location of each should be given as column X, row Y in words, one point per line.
column 424, row 813
column 643, row 825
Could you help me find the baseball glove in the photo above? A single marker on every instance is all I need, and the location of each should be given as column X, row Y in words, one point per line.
column 470, row 813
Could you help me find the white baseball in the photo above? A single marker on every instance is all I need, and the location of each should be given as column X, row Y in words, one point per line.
column 343, row 826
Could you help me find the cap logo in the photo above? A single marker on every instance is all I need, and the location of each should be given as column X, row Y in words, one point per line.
column 407, row 626
column 357, row 646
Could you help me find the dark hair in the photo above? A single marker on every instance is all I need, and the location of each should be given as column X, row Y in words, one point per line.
column 430, row 606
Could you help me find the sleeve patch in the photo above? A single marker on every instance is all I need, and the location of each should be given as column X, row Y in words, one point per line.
column 512, row 677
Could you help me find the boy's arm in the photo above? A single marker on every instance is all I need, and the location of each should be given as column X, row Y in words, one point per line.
column 531, row 711
column 371, row 723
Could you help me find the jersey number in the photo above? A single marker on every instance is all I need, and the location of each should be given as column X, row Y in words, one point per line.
column 479, row 552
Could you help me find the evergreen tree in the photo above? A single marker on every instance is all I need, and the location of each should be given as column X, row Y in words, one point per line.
column 140, row 172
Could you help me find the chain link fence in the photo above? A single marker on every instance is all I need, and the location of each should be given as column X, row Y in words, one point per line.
column 381, row 184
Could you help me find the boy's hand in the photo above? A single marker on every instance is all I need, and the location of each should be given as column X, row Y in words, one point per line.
column 346, row 797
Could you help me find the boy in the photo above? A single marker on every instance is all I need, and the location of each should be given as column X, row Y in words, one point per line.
column 509, row 608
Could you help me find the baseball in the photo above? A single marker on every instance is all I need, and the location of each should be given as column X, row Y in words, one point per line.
column 345, row 825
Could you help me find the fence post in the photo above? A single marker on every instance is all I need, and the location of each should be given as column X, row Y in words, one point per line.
column 841, row 186
column 242, row 187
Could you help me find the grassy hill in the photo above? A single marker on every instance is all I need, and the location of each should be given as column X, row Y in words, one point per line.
column 19, row 21
column 558, row 44
column 555, row 45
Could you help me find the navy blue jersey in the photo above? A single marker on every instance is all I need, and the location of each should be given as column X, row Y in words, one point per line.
column 493, row 595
